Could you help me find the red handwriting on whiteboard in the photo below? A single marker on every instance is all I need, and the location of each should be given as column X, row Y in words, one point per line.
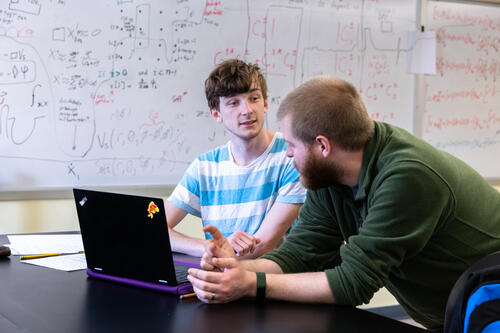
column 447, row 14
column 153, row 117
column 378, row 65
column 480, row 68
column 345, row 64
column 347, row 33
column 213, row 8
column 482, row 42
column 276, row 61
column 229, row 52
column 382, row 116
column 103, row 98
column 474, row 122
column 376, row 90
column 472, row 94
column 2, row 96
column 16, row 32
column 258, row 28
column 178, row 98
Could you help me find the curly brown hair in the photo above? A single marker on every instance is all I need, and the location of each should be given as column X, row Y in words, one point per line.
column 232, row 77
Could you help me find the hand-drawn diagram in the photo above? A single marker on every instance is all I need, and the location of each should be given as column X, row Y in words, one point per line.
column 111, row 93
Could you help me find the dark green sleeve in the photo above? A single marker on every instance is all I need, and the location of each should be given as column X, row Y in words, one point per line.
column 313, row 242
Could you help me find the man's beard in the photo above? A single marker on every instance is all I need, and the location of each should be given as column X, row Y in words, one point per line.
column 317, row 173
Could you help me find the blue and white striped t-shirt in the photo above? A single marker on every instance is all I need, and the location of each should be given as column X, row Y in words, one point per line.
column 234, row 197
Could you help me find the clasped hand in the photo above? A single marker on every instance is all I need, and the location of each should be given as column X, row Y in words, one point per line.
column 243, row 243
column 222, row 278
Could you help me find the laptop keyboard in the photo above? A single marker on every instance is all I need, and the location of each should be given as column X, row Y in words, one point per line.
column 181, row 273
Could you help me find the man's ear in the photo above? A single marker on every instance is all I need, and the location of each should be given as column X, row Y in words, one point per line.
column 216, row 115
column 266, row 105
column 324, row 145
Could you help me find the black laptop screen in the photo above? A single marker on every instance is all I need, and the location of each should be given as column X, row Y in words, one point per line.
column 125, row 236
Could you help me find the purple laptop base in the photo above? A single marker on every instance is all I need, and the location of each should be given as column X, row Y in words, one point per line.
column 187, row 263
column 181, row 289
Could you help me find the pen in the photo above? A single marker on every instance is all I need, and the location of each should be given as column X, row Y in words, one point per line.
column 187, row 295
column 34, row 256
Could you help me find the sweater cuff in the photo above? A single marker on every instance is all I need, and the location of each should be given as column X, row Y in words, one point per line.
column 277, row 260
column 336, row 287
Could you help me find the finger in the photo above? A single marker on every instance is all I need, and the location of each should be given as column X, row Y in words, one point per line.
column 216, row 234
column 226, row 262
column 240, row 250
column 249, row 245
column 235, row 244
column 250, row 242
column 202, row 295
column 242, row 244
column 207, row 259
column 202, row 288
column 246, row 237
column 256, row 242
column 206, row 276
column 206, row 265
column 245, row 250
column 210, row 268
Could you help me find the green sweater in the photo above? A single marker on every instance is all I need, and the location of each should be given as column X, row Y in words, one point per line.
column 418, row 219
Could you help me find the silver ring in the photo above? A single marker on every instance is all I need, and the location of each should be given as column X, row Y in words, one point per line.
column 213, row 297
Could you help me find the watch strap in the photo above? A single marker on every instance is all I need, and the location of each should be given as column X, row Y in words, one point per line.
column 261, row 287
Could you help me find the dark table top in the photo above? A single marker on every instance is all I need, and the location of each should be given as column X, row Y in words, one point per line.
column 39, row 299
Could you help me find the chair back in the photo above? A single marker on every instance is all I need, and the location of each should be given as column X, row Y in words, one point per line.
column 474, row 301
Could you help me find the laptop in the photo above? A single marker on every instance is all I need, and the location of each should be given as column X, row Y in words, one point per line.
column 125, row 238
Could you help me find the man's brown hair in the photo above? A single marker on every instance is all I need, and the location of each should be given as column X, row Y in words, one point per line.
column 331, row 107
column 233, row 77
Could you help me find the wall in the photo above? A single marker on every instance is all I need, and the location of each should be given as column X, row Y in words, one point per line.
column 27, row 216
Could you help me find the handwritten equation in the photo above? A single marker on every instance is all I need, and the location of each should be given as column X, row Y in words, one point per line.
column 111, row 92
column 462, row 101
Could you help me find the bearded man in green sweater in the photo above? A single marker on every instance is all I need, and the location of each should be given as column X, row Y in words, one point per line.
column 400, row 213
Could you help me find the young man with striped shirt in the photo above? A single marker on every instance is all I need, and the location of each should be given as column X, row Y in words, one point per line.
column 248, row 187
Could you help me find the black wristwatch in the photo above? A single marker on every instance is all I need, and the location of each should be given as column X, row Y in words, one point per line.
column 261, row 287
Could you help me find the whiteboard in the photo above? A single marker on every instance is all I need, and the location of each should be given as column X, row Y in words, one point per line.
column 462, row 102
column 111, row 93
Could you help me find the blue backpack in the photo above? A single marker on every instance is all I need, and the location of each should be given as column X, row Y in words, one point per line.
column 474, row 301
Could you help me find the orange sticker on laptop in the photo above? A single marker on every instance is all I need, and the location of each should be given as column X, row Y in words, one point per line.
column 152, row 209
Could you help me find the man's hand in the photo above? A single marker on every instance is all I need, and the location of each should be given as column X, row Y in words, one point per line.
column 217, row 247
column 242, row 242
column 231, row 283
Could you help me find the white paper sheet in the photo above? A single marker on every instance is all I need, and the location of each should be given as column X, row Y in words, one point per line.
column 68, row 263
column 421, row 57
column 43, row 244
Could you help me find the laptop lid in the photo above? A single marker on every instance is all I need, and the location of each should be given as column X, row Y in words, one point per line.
column 125, row 238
